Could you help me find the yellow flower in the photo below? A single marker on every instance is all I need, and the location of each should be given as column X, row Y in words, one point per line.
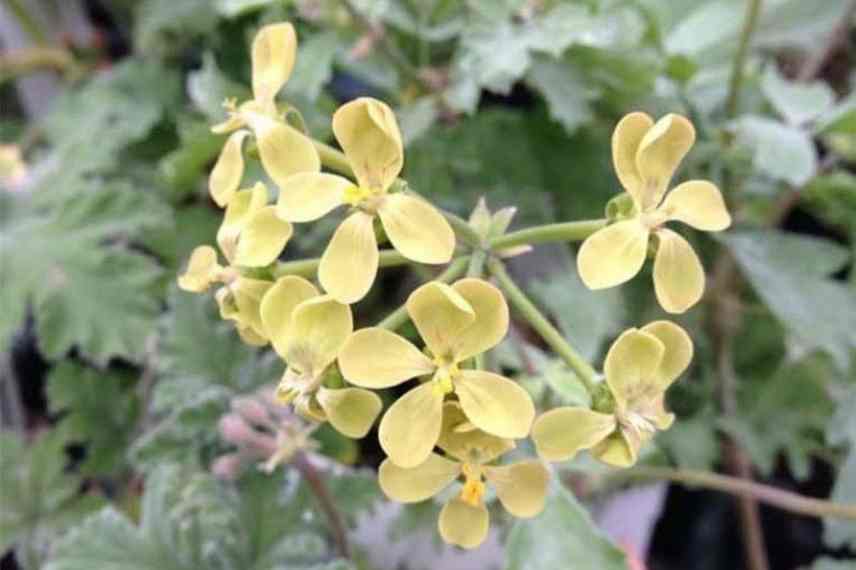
column 640, row 365
column 457, row 323
column 464, row 521
column 368, row 133
column 240, row 301
column 308, row 330
column 646, row 155
column 283, row 149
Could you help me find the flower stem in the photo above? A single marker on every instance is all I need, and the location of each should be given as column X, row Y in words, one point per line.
column 308, row 267
column 567, row 231
column 463, row 229
column 315, row 480
column 782, row 499
column 400, row 316
column 543, row 327
column 738, row 67
column 333, row 158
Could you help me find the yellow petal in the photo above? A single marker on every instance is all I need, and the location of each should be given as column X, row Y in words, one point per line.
column 231, row 124
column 495, row 404
column 202, row 270
column 698, row 203
column 460, row 439
column 660, row 152
column 561, row 432
column 226, row 303
column 678, row 350
column 250, row 336
column 631, row 363
column 377, row 358
column 368, row 132
column 273, row 52
column 416, row 229
column 462, row 524
column 319, row 328
column 440, row 314
column 625, row 142
column 411, row 426
column 277, row 308
column 417, row 483
column 263, row 239
column 283, row 150
column 352, row 411
column 616, row 451
column 521, row 487
column 248, row 295
column 241, row 207
column 613, row 255
column 229, row 169
column 349, row 264
column 491, row 318
column 678, row 274
column 309, row 195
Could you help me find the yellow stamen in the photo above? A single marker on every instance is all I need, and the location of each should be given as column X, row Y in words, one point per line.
column 355, row 195
column 474, row 488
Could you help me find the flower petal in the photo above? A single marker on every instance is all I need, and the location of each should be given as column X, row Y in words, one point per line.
column 248, row 295
column 678, row 274
column 319, row 328
column 349, row 264
column 491, row 323
column 377, row 358
column 241, row 207
column 460, row 439
column 283, row 150
column 307, row 196
column 440, row 314
column 616, row 451
column 277, row 308
column 613, row 255
column 660, row 152
column 273, row 52
column 631, row 363
column 202, row 270
column 263, row 239
column 229, row 170
column 418, row 483
column 521, row 487
column 678, row 350
column 698, row 203
column 410, row 428
column 352, row 411
column 625, row 142
column 561, row 432
column 368, row 132
column 495, row 404
column 416, row 229
column 462, row 524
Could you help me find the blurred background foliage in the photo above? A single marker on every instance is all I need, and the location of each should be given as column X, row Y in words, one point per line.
column 114, row 381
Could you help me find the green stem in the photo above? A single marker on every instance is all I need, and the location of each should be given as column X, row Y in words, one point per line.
column 333, row 159
column 400, row 316
column 308, row 267
column 753, row 11
column 463, row 229
column 567, row 231
column 477, row 261
column 543, row 327
column 782, row 499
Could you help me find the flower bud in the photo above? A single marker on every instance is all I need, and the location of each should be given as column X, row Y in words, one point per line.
column 227, row 467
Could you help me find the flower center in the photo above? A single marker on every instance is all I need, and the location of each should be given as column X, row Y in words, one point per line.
column 654, row 219
column 446, row 372
column 474, row 488
column 366, row 199
column 637, row 422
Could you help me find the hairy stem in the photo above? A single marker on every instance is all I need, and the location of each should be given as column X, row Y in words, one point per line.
column 316, row 483
column 308, row 267
column 400, row 316
column 567, row 231
column 542, row 326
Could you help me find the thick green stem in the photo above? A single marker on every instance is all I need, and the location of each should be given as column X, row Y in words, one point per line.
column 543, row 327
column 477, row 261
column 567, row 231
column 309, row 267
column 400, row 316
column 333, row 158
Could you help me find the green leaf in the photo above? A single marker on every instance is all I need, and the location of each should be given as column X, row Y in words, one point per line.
column 165, row 25
column 98, row 409
column 208, row 88
column 40, row 499
column 185, row 168
column 567, row 93
column 314, row 65
column 692, row 443
column 797, row 103
column 841, row 431
column 833, row 197
column 781, row 152
column 416, row 118
column 563, row 536
column 841, row 119
column 789, row 273
column 86, row 288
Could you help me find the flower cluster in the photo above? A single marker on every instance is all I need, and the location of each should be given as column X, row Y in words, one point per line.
column 458, row 420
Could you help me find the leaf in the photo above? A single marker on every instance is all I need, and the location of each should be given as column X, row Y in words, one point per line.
column 186, row 167
column 781, row 152
column 840, row 119
column 797, row 103
column 832, row 196
column 314, row 65
column 566, row 92
column 98, row 409
column 40, row 499
column 416, row 118
column 86, row 288
column 563, row 536
column 208, row 88
column 235, row 8
column 830, row 564
column 159, row 24
column 788, row 273
column 841, row 431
